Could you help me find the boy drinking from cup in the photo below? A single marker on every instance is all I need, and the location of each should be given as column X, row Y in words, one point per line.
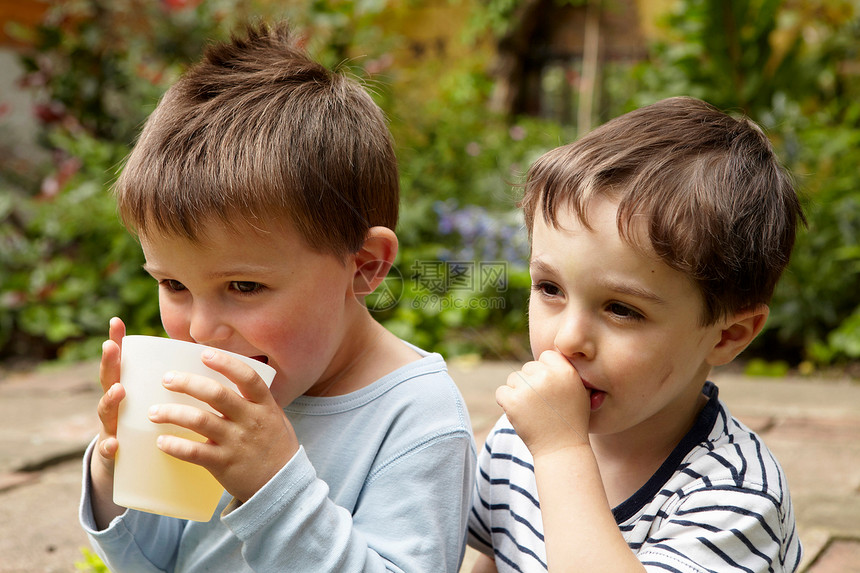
column 264, row 191
column 656, row 243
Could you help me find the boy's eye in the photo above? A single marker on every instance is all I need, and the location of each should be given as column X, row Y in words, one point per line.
column 623, row 311
column 546, row 289
column 246, row 287
column 172, row 285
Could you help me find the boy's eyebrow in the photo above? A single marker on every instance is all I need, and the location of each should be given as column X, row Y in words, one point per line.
column 632, row 290
column 536, row 264
column 615, row 286
column 234, row 272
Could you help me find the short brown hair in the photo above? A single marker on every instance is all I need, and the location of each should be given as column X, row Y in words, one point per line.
column 716, row 202
column 258, row 130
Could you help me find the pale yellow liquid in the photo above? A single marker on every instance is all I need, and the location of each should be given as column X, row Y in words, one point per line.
column 149, row 480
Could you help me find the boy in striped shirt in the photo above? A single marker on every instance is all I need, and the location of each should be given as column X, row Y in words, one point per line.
column 656, row 243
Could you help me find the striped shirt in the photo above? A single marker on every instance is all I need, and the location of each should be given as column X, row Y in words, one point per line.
column 719, row 502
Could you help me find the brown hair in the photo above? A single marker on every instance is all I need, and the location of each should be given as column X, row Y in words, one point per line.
column 255, row 131
column 715, row 201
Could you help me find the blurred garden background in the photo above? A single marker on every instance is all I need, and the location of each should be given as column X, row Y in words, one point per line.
column 475, row 90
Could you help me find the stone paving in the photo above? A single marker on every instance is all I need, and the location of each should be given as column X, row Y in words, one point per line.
column 48, row 416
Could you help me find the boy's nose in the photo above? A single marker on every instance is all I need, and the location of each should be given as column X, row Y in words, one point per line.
column 575, row 336
column 207, row 327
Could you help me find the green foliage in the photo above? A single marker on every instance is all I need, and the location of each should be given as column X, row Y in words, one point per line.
column 738, row 55
column 91, row 563
column 817, row 300
column 102, row 64
column 761, row 367
column 99, row 66
column 68, row 264
column 787, row 66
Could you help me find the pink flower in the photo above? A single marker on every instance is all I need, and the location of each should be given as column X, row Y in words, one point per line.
column 174, row 5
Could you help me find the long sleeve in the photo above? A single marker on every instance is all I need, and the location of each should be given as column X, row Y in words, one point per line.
column 407, row 518
column 133, row 542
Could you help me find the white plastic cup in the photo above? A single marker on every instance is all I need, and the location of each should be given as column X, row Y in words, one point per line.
column 145, row 478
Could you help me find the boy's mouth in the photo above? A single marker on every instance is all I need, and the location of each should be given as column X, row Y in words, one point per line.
column 596, row 396
column 261, row 358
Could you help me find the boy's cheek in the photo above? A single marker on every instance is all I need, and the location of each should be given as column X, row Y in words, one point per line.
column 174, row 323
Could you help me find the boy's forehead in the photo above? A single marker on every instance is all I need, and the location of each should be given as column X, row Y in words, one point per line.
column 215, row 228
column 599, row 213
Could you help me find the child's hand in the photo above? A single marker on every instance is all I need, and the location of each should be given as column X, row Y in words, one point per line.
column 102, row 463
column 547, row 404
column 247, row 444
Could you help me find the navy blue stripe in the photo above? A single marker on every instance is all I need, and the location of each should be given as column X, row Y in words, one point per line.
column 661, row 566
column 753, row 549
column 761, row 462
column 726, row 464
column 521, row 548
column 512, row 487
column 480, row 521
column 734, row 509
column 507, row 561
column 476, row 536
column 716, row 550
column 669, row 549
column 512, row 458
column 520, row 519
column 507, row 508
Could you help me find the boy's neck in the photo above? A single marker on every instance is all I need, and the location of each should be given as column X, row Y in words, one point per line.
column 627, row 461
column 371, row 352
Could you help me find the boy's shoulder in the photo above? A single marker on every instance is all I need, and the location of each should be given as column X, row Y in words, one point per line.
column 718, row 456
column 407, row 391
column 729, row 482
column 731, row 454
column 423, row 385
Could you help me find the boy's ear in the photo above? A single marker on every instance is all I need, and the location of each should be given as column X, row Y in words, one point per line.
column 737, row 332
column 373, row 260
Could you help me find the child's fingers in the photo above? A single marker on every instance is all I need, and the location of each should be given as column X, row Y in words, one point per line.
column 107, row 448
column 554, row 359
column 530, row 368
column 503, row 396
column 116, row 330
column 200, row 453
column 108, row 408
column 221, row 398
column 203, row 422
column 517, row 379
column 243, row 376
column 509, row 395
column 109, row 367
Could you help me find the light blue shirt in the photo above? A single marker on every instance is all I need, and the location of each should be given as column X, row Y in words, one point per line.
column 382, row 482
